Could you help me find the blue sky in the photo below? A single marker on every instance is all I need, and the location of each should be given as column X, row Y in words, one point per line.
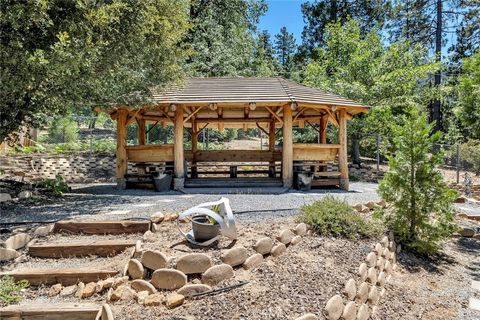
column 283, row 13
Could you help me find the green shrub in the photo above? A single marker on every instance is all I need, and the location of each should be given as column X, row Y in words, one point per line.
column 10, row 290
column 57, row 186
column 335, row 217
column 470, row 153
column 422, row 214
column 63, row 130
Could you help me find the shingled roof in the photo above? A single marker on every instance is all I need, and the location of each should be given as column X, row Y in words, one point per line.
column 218, row 90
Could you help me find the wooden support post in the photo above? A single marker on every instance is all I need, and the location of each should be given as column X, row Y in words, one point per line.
column 178, row 156
column 121, row 148
column 271, row 147
column 342, row 152
column 194, row 147
column 141, row 134
column 323, row 129
column 287, row 150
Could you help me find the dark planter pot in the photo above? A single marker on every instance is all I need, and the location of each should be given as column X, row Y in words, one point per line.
column 162, row 181
column 304, row 181
column 203, row 230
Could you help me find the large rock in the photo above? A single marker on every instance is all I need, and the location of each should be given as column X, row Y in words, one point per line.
column 43, row 231
column 135, row 269
column 334, row 307
column 25, row 194
column 123, row 293
column 168, row 279
column 467, row 232
column 384, row 241
column 388, row 267
column 350, row 311
column 55, row 290
column 301, row 229
column 382, row 278
column 154, row 260
column 157, row 217
column 217, row 273
column 68, row 291
column 372, row 276
column 350, row 289
column 80, row 287
column 142, row 285
column 278, row 250
column 285, row 236
column 194, row 263
column 148, row 236
column 362, row 293
column 296, row 240
column 370, row 204
column 174, row 300
column 119, row 282
column 371, row 259
column 363, row 312
column 378, row 248
column 4, row 197
column 253, row 261
column 235, row 256
column 263, row 245
column 362, row 271
column 17, row 241
column 191, row 289
column 89, row 290
column 8, row 254
column 373, row 296
column 155, row 299
column 380, row 263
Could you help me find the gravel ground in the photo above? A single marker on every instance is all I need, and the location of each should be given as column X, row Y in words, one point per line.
column 104, row 201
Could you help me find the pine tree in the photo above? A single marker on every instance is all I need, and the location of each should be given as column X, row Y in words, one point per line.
column 285, row 48
column 422, row 213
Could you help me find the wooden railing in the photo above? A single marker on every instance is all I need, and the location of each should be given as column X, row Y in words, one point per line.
column 315, row 152
column 164, row 152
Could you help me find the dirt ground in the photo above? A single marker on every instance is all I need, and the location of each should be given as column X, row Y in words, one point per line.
column 300, row 281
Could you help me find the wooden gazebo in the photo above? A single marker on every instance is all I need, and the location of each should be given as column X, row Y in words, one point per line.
column 271, row 104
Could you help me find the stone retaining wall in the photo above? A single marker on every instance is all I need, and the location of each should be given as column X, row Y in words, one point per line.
column 83, row 167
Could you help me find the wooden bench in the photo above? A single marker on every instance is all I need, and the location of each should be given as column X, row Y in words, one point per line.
column 233, row 169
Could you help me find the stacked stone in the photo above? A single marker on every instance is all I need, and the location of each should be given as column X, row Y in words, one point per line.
column 362, row 296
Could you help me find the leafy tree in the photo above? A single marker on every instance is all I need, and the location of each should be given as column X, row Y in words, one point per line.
column 221, row 37
column 422, row 213
column 63, row 130
column 319, row 13
column 285, row 47
column 57, row 54
column 360, row 67
column 468, row 109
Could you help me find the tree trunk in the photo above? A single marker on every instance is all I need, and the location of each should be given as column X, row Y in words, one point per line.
column 435, row 104
column 356, row 149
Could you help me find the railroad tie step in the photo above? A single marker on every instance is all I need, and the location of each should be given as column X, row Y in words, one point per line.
column 102, row 227
column 102, row 248
column 65, row 276
column 51, row 311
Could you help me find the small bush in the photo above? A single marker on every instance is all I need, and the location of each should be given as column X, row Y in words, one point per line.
column 10, row 290
column 335, row 217
column 470, row 154
column 57, row 186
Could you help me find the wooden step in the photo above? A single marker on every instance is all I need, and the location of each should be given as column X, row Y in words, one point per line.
column 327, row 174
column 103, row 248
column 66, row 276
column 102, row 227
column 50, row 311
column 232, row 182
column 325, row 182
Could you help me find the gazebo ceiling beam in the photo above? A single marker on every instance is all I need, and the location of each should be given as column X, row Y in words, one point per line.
column 274, row 114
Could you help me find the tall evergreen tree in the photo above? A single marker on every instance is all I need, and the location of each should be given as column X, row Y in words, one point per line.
column 222, row 36
column 264, row 63
column 285, row 48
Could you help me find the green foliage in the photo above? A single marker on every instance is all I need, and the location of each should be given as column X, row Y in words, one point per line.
column 468, row 109
column 221, row 37
column 63, row 130
column 59, row 54
column 57, row 186
column 470, row 153
column 10, row 290
column 331, row 216
column 285, row 48
column 422, row 213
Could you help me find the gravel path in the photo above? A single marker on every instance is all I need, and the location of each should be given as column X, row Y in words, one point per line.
column 104, row 201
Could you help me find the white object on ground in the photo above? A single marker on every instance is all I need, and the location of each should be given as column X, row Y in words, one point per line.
column 224, row 218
